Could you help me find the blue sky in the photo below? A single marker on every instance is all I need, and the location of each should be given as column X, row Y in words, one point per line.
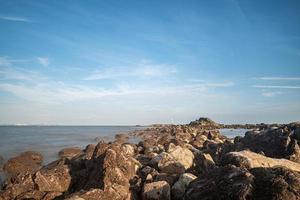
column 142, row 62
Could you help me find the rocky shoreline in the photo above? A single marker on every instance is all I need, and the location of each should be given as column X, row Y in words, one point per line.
column 190, row 162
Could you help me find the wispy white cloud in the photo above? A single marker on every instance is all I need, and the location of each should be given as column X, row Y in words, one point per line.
column 143, row 70
column 15, row 18
column 271, row 94
column 43, row 61
column 4, row 61
column 60, row 92
column 277, row 86
column 274, row 78
column 7, row 73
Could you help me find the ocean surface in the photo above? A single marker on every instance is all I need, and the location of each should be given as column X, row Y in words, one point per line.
column 49, row 140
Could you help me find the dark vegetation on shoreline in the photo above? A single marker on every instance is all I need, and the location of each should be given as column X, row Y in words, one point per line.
column 192, row 161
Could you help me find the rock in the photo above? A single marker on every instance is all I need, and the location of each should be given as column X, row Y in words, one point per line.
column 297, row 134
column 176, row 161
column 159, row 190
column 70, row 152
column 89, row 150
column 29, row 161
column 203, row 162
column 54, row 177
column 16, row 186
column 275, row 143
column 250, row 160
column 227, row 182
column 170, row 178
column 128, row 149
column 275, row 183
column 204, row 122
column 178, row 189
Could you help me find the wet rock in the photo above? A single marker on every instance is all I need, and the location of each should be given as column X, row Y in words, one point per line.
column 159, row 190
column 250, row 160
column 54, row 177
column 29, row 161
column 70, row 152
column 227, row 182
column 176, row 161
column 178, row 189
column 275, row 183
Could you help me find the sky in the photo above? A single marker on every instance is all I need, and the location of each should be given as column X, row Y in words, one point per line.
column 88, row 62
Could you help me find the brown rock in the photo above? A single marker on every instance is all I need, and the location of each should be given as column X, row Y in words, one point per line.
column 70, row 152
column 178, row 189
column 54, row 177
column 250, row 160
column 276, row 183
column 16, row 186
column 29, row 161
column 156, row 191
column 176, row 161
column 227, row 182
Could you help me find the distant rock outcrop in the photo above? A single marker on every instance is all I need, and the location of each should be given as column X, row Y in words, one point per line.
column 205, row 123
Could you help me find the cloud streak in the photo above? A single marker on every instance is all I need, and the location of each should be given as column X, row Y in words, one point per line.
column 270, row 94
column 143, row 70
column 277, row 86
column 60, row 92
column 280, row 78
column 15, row 19
column 43, row 61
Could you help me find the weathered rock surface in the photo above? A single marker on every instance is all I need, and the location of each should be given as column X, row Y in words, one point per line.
column 250, row 160
column 275, row 183
column 70, row 152
column 178, row 189
column 53, row 178
column 227, row 182
column 176, row 161
column 29, row 161
column 159, row 190
column 273, row 142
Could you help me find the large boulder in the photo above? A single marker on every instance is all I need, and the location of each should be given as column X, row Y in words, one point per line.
column 178, row 189
column 54, row 177
column 176, row 161
column 250, row 160
column 16, row 186
column 203, row 162
column 227, row 182
column 159, row 190
column 273, row 142
column 276, row 183
column 29, row 161
column 70, row 152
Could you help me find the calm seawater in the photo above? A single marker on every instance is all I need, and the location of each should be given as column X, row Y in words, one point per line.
column 50, row 139
column 231, row 133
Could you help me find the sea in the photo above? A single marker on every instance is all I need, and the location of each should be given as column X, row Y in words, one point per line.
column 49, row 140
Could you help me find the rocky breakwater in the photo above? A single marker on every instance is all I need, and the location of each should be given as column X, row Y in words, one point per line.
column 192, row 161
